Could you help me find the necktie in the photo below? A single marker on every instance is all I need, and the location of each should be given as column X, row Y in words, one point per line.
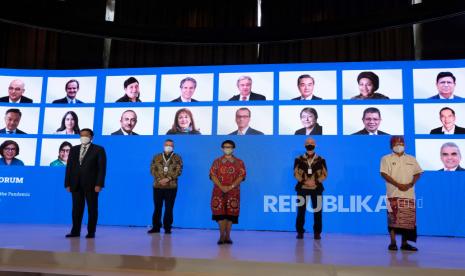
column 82, row 153
column 244, row 98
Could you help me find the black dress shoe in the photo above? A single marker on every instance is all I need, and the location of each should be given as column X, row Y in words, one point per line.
column 317, row 236
column 90, row 236
column 408, row 247
column 220, row 242
column 228, row 241
column 300, row 236
column 153, row 230
column 72, row 235
column 392, row 247
column 167, row 231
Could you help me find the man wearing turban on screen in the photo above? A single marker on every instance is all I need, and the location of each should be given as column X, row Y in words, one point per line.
column 401, row 171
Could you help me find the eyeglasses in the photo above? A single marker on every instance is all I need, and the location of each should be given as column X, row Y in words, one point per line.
column 242, row 117
column 64, row 150
column 10, row 149
column 17, row 89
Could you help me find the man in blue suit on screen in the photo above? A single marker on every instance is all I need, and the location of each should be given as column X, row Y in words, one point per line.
column 445, row 83
column 242, row 120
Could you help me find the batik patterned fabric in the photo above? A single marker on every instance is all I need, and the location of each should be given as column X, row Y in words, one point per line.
column 226, row 205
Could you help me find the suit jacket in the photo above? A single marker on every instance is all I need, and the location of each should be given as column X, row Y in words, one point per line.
column 125, row 99
column 436, row 97
column 90, row 173
column 458, row 169
column 317, row 130
column 253, row 97
column 313, row 98
column 22, row 100
column 458, row 130
column 365, row 132
column 18, row 131
column 120, row 132
column 65, row 101
column 250, row 131
column 178, row 99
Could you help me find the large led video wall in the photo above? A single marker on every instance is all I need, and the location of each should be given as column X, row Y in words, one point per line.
column 351, row 109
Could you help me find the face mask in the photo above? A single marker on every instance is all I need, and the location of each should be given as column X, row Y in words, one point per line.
column 85, row 140
column 228, row 151
column 398, row 149
column 168, row 149
column 309, row 147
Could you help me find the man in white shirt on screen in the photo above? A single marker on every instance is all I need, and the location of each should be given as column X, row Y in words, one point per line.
column 243, row 115
column 128, row 123
column 371, row 120
column 447, row 117
column 188, row 86
column 445, row 83
column 451, row 157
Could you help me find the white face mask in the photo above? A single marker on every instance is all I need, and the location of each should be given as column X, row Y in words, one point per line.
column 228, row 151
column 168, row 149
column 398, row 149
column 85, row 140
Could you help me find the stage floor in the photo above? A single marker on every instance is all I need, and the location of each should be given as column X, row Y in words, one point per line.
column 249, row 246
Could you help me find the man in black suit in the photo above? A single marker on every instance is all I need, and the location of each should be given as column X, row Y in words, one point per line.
column 84, row 179
column 244, row 84
column 451, row 157
column 71, row 87
column 447, row 117
column 242, row 120
column 15, row 93
column 12, row 119
column 371, row 119
column 128, row 123
column 305, row 84
column 445, row 83
column 188, row 86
